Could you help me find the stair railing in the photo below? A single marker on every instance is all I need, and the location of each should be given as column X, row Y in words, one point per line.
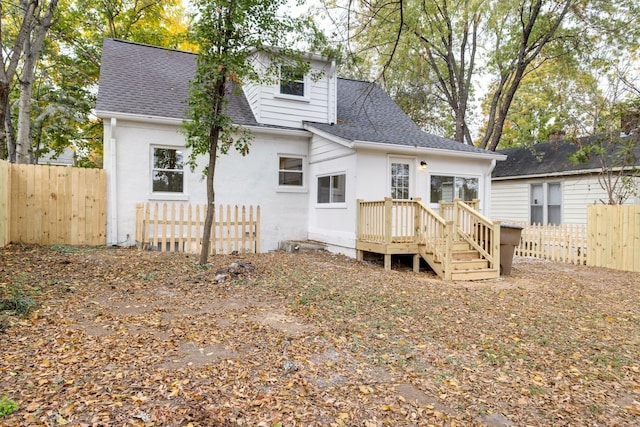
column 480, row 232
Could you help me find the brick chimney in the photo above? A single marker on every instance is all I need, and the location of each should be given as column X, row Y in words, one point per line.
column 556, row 136
column 630, row 122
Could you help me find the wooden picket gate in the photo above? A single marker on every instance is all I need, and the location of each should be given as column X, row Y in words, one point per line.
column 562, row 242
column 179, row 227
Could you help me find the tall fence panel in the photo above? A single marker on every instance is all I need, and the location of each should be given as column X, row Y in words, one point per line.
column 179, row 227
column 614, row 236
column 5, row 203
column 57, row 205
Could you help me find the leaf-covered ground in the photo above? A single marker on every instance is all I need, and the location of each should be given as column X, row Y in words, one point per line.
column 129, row 338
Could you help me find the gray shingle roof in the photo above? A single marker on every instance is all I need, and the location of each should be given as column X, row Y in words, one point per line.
column 367, row 113
column 152, row 81
column 546, row 158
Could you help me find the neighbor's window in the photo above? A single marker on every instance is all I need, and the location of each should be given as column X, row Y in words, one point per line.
column 400, row 176
column 168, row 170
column 546, row 203
column 331, row 188
column 291, row 82
column 290, row 171
column 449, row 188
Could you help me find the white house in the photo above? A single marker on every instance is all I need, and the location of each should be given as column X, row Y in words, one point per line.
column 319, row 145
column 541, row 185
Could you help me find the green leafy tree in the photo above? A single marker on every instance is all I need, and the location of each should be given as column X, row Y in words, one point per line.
column 616, row 151
column 227, row 34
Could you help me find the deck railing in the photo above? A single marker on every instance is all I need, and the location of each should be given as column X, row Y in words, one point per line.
column 389, row 222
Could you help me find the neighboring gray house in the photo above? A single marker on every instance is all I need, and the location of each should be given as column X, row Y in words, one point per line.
column 316, row 149
column 540, row 185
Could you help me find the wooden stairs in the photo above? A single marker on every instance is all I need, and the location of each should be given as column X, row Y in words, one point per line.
column 466, row 263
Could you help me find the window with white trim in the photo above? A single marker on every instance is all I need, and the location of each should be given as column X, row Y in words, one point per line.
column 167, row 174
column 291, row 82
column 290, row 172
column 546, row 203
column 331, row 188
column 400, row 178
column 449, row 188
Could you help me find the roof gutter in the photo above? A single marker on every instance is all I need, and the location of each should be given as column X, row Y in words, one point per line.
column 407, row 149
column 553, row 174
column 174, row 121
column 139, row 117
column 329, row 136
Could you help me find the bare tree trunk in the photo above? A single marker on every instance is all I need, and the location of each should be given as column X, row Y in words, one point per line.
column 7, row 74
column 214, row 138
column 10, row 136
column 32, row 49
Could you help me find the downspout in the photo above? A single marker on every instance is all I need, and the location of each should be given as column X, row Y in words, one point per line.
column 112, row 201
column 487, row 190
column 331, row 95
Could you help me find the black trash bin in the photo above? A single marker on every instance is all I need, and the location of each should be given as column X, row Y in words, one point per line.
column 509, row 239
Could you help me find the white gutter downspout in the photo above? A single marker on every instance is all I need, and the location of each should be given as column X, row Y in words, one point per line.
column 112, row 201
column 332, row 89
column 487, row 189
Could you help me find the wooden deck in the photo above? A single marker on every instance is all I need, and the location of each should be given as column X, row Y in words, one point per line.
column 460, row 245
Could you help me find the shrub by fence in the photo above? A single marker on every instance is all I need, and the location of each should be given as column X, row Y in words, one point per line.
column 48, row 205
column 178, row 227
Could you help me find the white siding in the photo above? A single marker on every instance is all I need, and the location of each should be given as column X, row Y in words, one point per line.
column 510, row 198
column 271, row 108
column 323, row 149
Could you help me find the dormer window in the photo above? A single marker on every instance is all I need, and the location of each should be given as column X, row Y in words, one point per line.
column 291, row 82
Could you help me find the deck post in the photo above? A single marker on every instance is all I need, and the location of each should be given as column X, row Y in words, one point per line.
column 456, row 220
column 448, row 240
column 417, row 220
column 416, row 263
column 496, row 245
column 387, row 262
column 388, row 212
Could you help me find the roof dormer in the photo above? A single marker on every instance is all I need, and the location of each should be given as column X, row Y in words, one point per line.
column 292, row 98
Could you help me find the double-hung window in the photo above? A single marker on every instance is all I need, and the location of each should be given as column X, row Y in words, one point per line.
column 331, row 188
column 290, row 172
column 546, row 203
column 167, row 174
column 449, row 188
column 291, row 82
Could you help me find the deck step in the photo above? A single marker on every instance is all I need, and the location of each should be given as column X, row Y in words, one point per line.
column 465, row 255
column 470, row 265
column 484, row 273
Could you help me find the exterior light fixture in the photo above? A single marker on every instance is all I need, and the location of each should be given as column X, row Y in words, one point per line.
column 423, row 165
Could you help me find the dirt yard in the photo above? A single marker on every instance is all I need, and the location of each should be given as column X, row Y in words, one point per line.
column 121, row 337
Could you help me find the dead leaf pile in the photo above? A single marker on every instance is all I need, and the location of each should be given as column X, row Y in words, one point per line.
column 131, row 338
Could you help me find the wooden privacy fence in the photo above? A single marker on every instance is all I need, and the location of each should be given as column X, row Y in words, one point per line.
column 179, row 227
column 48, row 205
column 563, row 242
column 614, row 236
